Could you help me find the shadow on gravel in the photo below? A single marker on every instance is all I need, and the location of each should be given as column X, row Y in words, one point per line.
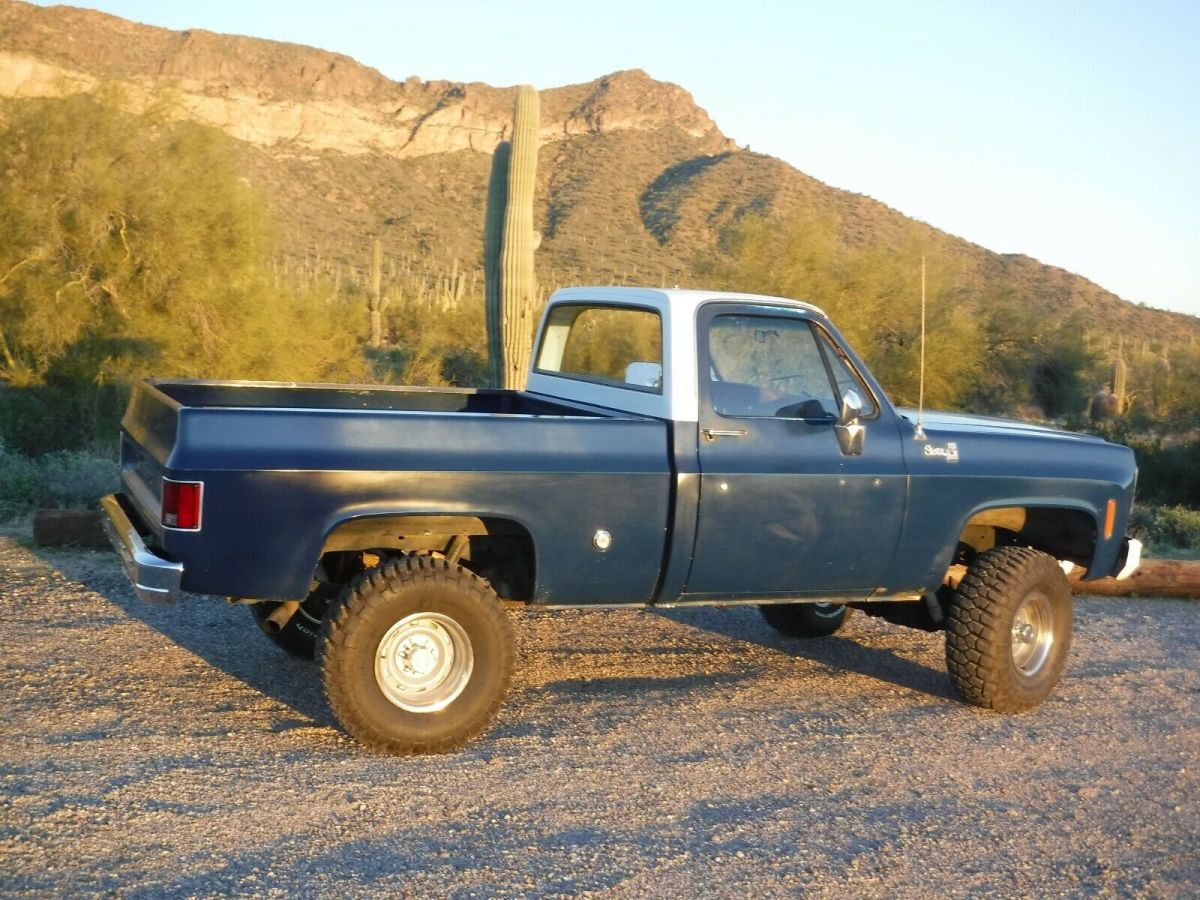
column 642, row 686
column 454, row 854
column 840, row 654
column 603, row 704
column 224, row 636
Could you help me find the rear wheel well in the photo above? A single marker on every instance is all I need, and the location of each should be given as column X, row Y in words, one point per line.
column 498, row 550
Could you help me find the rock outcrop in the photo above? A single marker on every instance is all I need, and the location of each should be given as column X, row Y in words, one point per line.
column 297, row 100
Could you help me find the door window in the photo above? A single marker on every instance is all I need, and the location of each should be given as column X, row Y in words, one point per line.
column 845, row 377
column 768, row 366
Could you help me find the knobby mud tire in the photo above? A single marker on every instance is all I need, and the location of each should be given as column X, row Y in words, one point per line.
column 377, row 602
column 988, row 629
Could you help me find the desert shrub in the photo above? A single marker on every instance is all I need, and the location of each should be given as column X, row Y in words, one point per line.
column 1141, row 522
column 463, row 367
column 68, row 478
column 1168, row 461
column 20, row 484
column 1168, row 473
column 76, row 478
column 1173, row 474
column 1176, row 526
column 442, row 348
column 39, row 419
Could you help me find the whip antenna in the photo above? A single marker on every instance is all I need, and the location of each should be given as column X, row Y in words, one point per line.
column 919, row 434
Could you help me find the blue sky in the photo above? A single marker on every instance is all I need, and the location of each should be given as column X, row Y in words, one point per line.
column 1066, row 130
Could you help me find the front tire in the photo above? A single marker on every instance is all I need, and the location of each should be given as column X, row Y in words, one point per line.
column 805, row 620
column 1008, row 629
column 416, row 656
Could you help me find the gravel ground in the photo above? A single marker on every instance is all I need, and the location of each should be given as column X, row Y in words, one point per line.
column 149, row 751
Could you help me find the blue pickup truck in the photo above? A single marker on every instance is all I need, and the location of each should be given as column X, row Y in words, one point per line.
column 671, row 448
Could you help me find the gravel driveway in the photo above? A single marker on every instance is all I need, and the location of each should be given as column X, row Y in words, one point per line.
column 149, row 751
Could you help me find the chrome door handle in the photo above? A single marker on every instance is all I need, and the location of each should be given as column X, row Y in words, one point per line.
column 713, row 433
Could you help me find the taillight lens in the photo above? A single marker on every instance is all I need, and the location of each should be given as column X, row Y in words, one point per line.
column 181, row 504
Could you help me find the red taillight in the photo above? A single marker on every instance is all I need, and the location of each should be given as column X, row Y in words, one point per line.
column 181, row 504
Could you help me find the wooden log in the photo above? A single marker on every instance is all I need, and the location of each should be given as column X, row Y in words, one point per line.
column 69, row 527
column 1153, row 578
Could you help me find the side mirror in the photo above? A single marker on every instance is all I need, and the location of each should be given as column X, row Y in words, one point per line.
column 850, row 432
column 852, row 407
column 644, row 374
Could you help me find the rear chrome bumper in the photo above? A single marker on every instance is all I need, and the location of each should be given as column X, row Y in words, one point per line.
column 154, row 579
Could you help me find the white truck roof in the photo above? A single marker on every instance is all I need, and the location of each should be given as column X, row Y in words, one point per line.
column 677, row 308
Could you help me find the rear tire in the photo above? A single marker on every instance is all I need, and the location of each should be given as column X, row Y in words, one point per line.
column 416, row 656
column 806, row 620
column 1008, row 629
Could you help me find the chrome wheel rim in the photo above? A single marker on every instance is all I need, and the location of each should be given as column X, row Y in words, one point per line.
column 424, row 662
column 1032, row 634
column 828, row 610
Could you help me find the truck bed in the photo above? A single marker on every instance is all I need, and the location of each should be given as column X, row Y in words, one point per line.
column 283, row 465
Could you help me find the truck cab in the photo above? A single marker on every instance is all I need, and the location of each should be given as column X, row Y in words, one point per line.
column 781, row 435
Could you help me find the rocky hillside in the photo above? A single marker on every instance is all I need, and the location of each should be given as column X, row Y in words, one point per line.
column 291, row 101
column 636, row 181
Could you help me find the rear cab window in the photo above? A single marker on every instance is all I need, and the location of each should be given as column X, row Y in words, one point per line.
column 614, row 346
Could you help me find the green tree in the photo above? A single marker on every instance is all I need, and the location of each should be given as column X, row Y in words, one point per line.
column 872, row 293
column 129, row 245
column 1060, row 362
column 123, row 238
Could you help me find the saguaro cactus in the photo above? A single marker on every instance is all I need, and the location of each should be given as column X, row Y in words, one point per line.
column 376, row 302
column 1119, row 374
column 493, row 237
column 512, row 290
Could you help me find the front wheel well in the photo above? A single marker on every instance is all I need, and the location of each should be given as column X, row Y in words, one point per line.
column 1063, row 533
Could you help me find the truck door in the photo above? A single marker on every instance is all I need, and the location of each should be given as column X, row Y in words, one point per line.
column 783, row 510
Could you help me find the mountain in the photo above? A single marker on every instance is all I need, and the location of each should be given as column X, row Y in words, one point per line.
column 636, row 182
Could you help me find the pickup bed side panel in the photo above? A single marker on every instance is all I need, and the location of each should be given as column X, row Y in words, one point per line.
column 278, row 481
column 149, row 430
column 151, row 420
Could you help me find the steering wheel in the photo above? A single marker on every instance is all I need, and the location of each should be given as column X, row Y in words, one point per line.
column 791, row 377
column 811, row 408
